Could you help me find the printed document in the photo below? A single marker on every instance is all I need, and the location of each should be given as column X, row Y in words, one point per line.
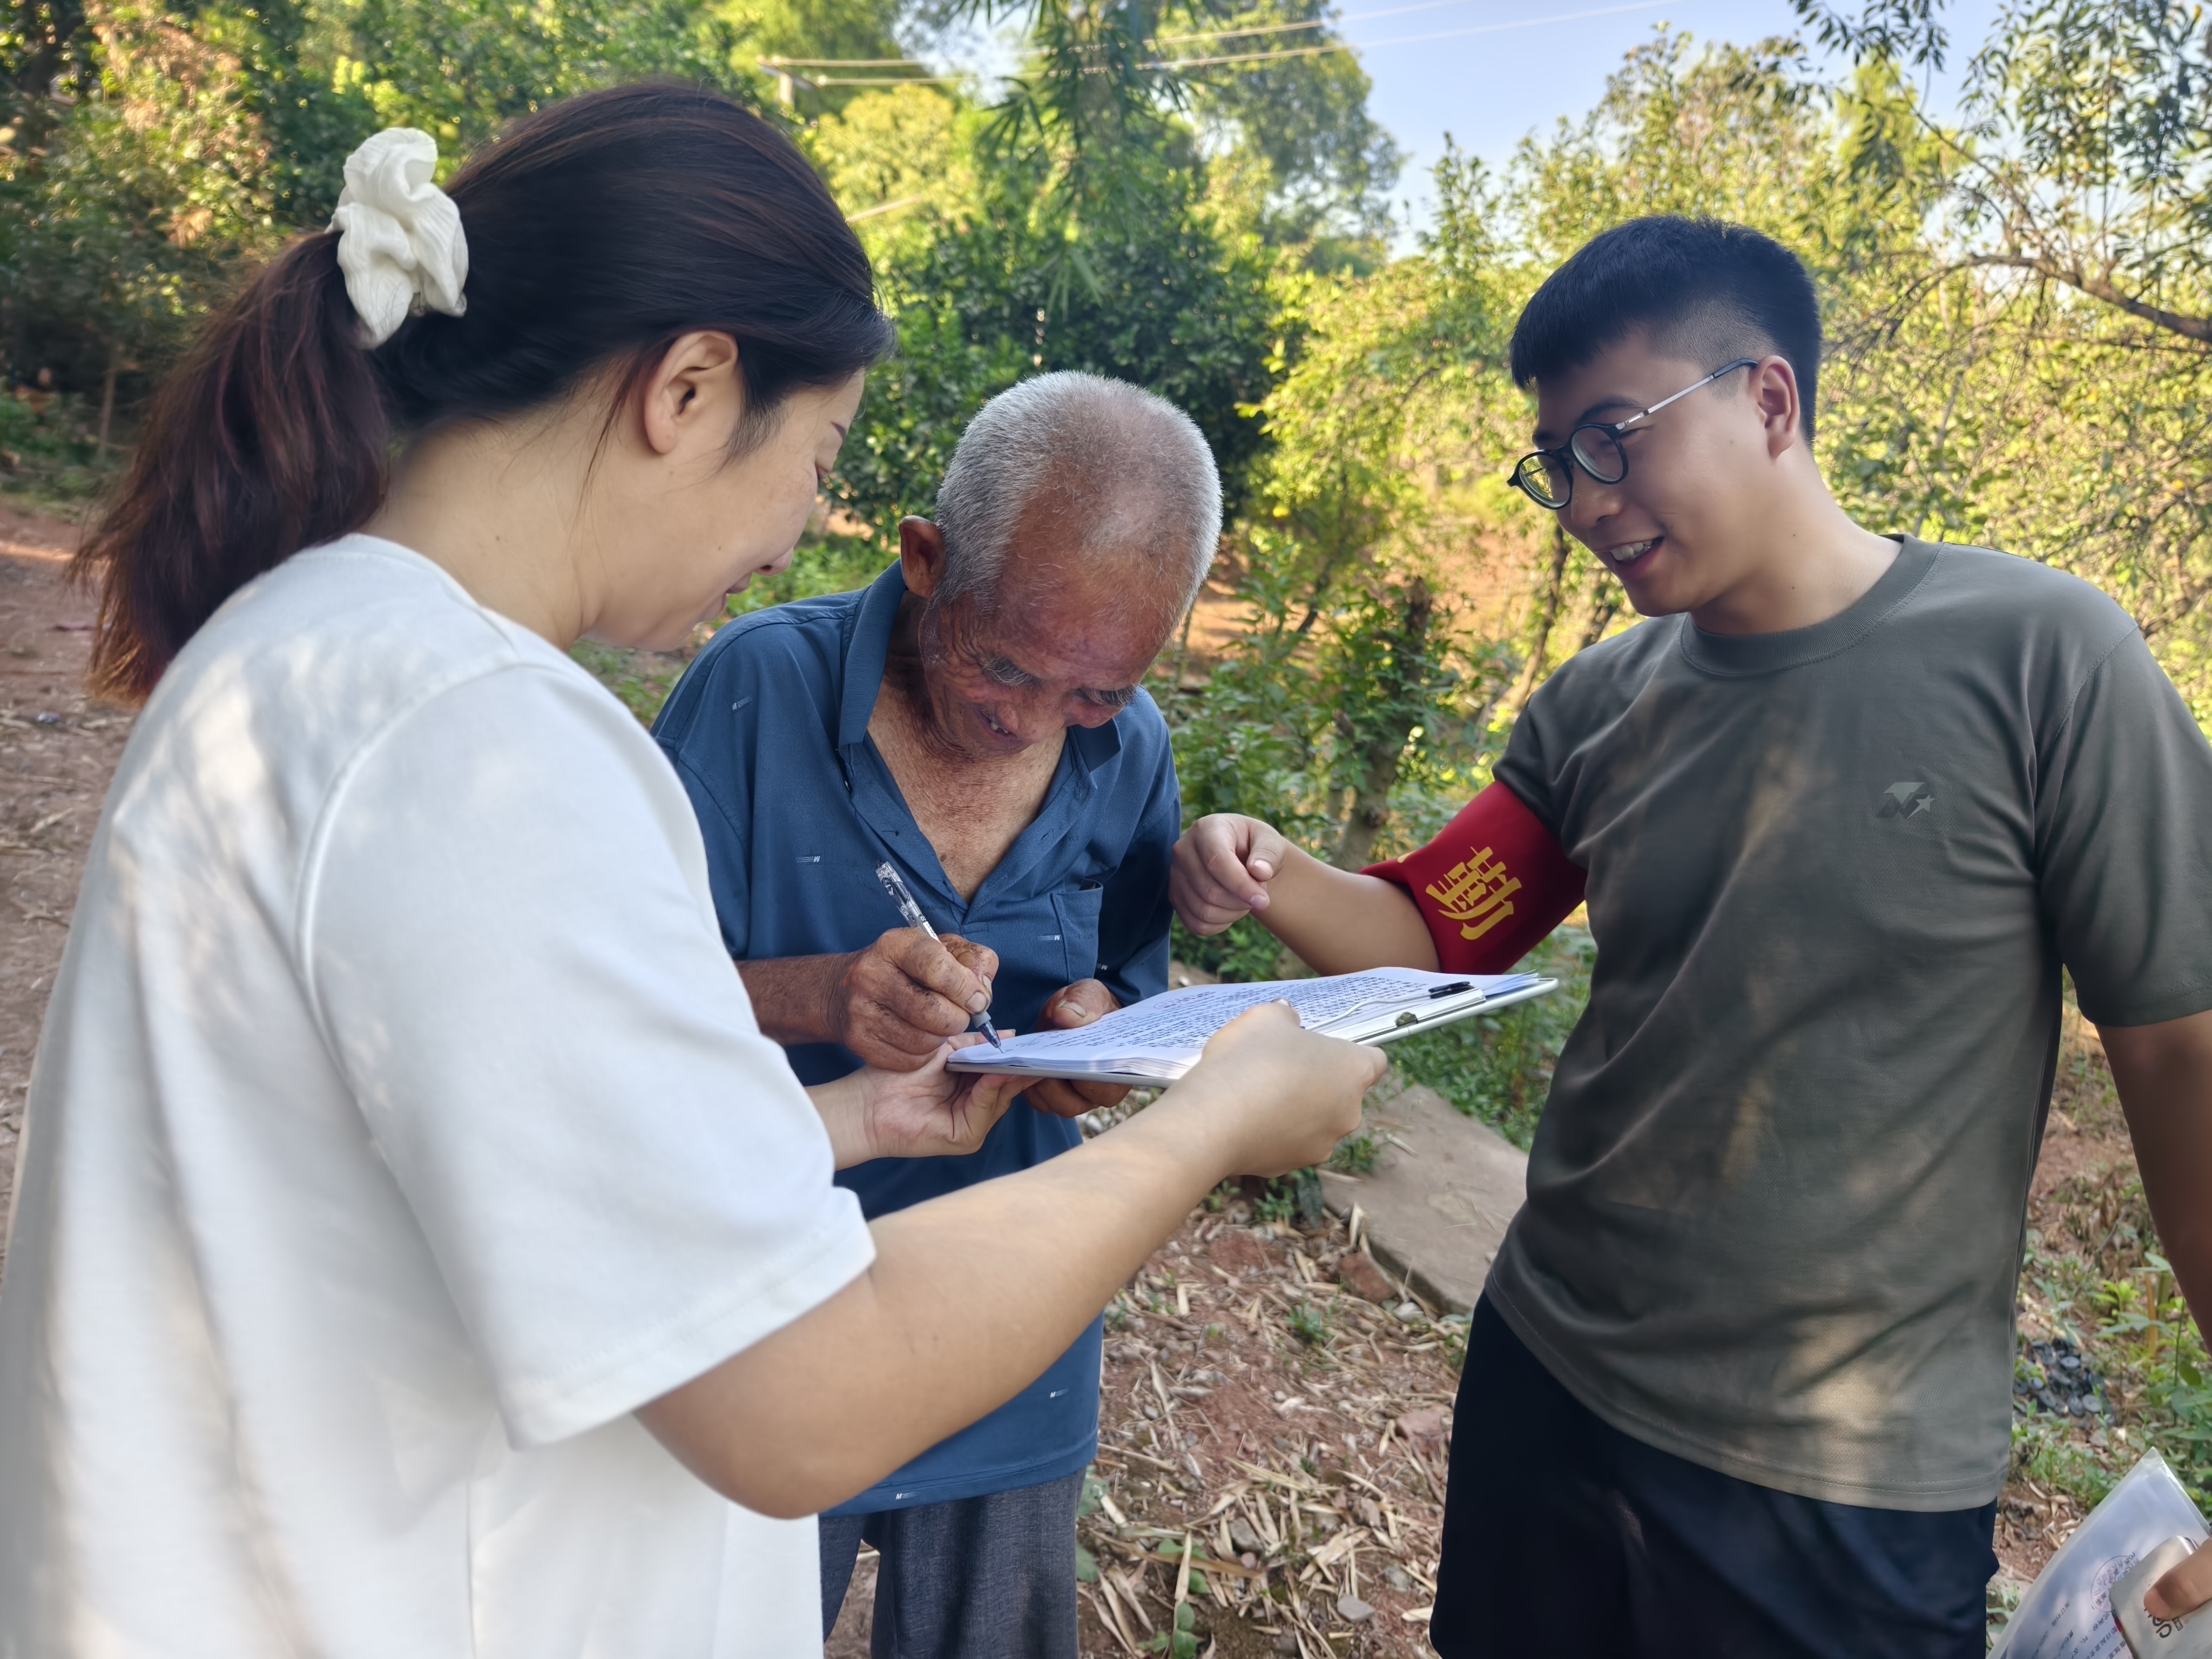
column 1158, row 1040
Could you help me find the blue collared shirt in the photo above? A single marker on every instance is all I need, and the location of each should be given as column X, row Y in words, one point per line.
column 768, row 730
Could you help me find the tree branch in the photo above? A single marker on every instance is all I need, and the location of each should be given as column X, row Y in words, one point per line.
column 2097, row 288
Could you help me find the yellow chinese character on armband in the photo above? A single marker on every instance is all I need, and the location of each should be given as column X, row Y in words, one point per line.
column 1476, row 894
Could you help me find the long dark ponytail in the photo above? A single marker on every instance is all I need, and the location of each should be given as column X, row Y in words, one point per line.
column 599, row 230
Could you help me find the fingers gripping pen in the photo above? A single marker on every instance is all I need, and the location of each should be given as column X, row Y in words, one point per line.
column 911, row 913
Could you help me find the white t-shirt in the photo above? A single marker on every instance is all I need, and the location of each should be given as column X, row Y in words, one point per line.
column 398, row 1126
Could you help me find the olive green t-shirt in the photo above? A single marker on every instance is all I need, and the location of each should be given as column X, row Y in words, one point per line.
column 1777, row 1197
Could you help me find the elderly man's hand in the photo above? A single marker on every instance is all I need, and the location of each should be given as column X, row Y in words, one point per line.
column 1221, row 869
column 896, row 1002
column 1071, row 1006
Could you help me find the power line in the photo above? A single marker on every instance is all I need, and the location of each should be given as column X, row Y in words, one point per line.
column 782, row 67
column 881, row 207
column 1313, row 23
column 842, row 62
column 1402, row 39
column 1265, row 28
column 787, row 83
column 1248, row 56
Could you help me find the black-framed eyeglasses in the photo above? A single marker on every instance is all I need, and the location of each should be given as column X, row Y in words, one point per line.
column 1547, row 477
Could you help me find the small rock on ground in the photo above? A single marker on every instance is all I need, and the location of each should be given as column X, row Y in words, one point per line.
column 1359, row 1275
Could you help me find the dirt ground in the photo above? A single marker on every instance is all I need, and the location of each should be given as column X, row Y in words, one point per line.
column 57, row 751
column 2086, row 1137
column 1284, row 1436
column 1285, row 1433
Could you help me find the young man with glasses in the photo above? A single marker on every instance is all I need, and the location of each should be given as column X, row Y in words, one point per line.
column 1739, row 1381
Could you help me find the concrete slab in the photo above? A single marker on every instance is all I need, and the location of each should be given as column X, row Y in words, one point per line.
column 1438, row 1199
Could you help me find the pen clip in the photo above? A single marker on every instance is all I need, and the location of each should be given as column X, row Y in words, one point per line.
column 910, row 912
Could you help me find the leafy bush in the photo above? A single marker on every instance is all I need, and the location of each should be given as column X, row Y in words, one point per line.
column 643, row 679
column 1352, row 721
column 48, row 445
column 830, row 564
column 2096, row 1272
column 985, row 297
column 1242, row 952
column 1309, row 1323
column 1497, row 1068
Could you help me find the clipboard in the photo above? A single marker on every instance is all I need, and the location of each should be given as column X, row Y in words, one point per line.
column 1155, row 1041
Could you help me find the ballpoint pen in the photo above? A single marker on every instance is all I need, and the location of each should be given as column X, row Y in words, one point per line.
column 912, row 914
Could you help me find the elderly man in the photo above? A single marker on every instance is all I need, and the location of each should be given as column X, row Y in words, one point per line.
column 973, row 716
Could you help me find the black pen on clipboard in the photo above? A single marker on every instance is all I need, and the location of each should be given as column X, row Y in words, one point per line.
column 912, row 914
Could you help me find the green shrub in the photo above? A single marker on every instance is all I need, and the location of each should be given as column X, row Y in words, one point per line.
column 1278, row 1204
column 1355, row 1153
column 1497, row 1068
column 48, row 446
column 1243, row 952
column 1309, row 1324
column 643, row 679
column 832, row 564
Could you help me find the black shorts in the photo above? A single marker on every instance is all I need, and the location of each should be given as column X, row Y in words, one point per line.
column 1562, row 1536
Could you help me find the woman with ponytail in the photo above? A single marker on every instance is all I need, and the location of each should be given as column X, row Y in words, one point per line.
column 417, row 1250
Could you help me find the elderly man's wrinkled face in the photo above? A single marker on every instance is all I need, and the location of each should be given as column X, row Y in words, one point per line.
column 1065, row 641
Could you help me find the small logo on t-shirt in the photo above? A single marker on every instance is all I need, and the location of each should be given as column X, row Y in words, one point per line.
column 1476, row 894
column 1905, row 800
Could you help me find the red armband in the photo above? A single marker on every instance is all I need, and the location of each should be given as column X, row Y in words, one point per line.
column 1491, row 886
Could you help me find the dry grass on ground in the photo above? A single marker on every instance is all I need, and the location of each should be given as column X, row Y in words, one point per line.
column 1272, row 1450
column 1284, row 1437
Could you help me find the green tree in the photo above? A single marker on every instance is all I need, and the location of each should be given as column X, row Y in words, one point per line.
column 1383, row 379
column 2086, row 162
column 1354, row 708
column 1281, row 112
column 900, row 163
column 2064, row 318
column 1168, row 304
column 147, row 197
column 459, row 68
column 152, row 152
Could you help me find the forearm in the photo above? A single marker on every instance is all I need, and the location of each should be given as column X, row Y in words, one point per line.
column 1339, row 921
column 971, row 1297
column 795, row 998
column 2164, row 1075
column 842, row 1107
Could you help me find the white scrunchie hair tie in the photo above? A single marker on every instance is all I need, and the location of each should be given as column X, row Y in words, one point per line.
column 400, row 235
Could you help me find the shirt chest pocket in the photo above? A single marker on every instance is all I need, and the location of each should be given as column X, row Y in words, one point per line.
column 1077, row 915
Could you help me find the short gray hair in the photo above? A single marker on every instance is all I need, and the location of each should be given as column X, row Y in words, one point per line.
column 1129, row 466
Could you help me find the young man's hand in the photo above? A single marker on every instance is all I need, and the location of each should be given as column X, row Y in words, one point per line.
column 1069, row 1006
column 1227, row 866
column 1221, row 870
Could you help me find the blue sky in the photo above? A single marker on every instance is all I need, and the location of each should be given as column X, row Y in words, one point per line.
column 1488, row 89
